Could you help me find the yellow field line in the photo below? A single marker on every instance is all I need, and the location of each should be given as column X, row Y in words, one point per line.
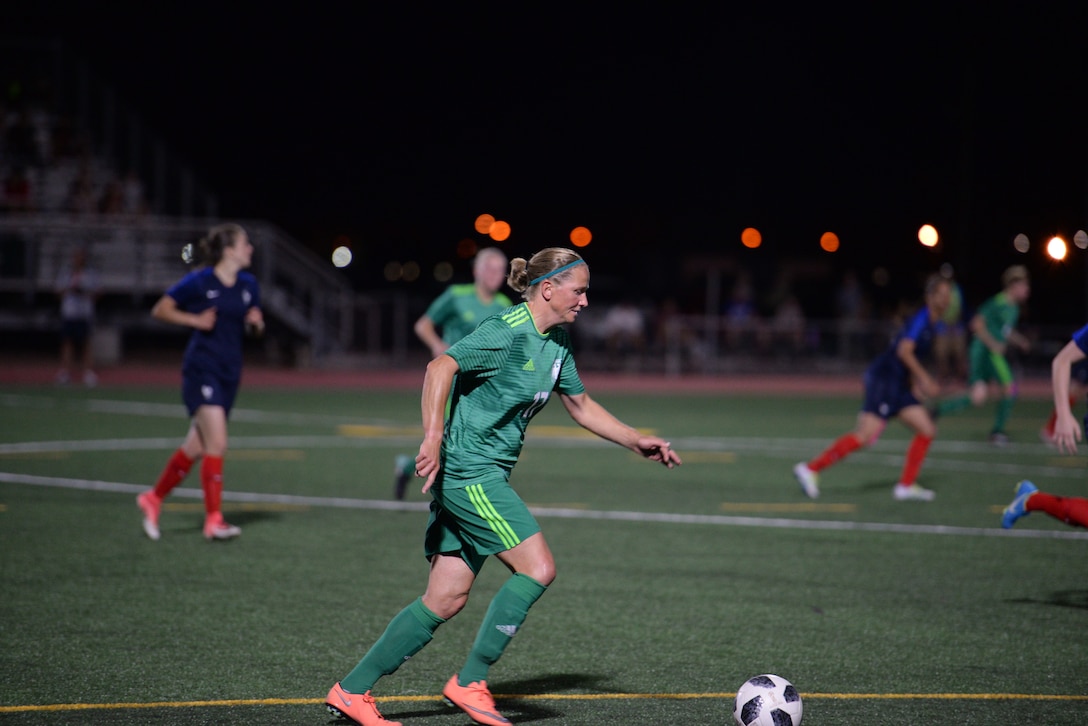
column 367, row 431
column 546, row 697
column 541, row 430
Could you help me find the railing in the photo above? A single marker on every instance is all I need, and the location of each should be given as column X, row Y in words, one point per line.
column 141, row 256
column 327, row 323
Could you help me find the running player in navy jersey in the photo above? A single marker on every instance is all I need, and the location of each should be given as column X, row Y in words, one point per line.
column 500, row 376
column 890, row 385
column 1067, row 432
column 220, row 301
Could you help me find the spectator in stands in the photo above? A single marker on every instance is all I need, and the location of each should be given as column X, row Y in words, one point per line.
column 788, row 325
column 82, row 199
column 624, row 330
column 18, row 192
column 676, row 338
column 132, row 193
column 113, row 198
column 743, row 325
column 77, row 287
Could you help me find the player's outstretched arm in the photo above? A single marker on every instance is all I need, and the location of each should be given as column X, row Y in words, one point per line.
column 436, row 389
column 595, row 418
column 1066, row 429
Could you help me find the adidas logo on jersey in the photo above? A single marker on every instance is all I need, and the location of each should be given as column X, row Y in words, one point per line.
column 529, row 366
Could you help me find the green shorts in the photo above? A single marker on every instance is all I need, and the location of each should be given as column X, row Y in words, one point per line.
column 484, row 518
column 988, row 366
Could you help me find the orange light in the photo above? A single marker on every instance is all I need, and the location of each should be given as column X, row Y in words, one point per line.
column 829, row 242
column 466, row 249
column 484, row 222
column 751, row 238
column 580, row 236
column 499, row 231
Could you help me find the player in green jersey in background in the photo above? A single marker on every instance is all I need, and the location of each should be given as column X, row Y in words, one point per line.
column 453, row 315
column 496, row 379
column 994, row 328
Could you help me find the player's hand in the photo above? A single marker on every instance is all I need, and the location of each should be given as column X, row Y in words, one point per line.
column 656, row 449
column 428, row 463
column 205, row 319
column 254, row 323
column 928, row 387
column 1066, row 434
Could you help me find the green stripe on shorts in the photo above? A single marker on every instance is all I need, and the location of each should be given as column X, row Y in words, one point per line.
column 1001, row 368
column 494, row 520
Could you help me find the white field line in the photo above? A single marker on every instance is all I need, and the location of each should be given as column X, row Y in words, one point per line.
column 882, row 453
column 558, row 512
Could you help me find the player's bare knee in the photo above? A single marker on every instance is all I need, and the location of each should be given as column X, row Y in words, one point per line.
column 543, row 572
column 445, row 606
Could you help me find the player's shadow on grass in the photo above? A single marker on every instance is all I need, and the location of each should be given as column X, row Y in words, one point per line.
column 1077, row 599
column 239, row 518
column 515, row 709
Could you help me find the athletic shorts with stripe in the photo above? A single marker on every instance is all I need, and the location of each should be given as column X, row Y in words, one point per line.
column 478, row 520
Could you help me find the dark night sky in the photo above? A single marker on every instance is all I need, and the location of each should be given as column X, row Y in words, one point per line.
column 664, row 130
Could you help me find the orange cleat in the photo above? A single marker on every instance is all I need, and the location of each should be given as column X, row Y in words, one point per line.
column 356, row 707
column 215, row 527
column 475, row 700
column 150, row 505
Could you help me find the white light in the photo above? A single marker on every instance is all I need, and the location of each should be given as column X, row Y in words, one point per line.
column 1080, row 239
column 341, row 256
column 1056, row 248
column 1021, row 243
column 443, row 271
column 927, row 235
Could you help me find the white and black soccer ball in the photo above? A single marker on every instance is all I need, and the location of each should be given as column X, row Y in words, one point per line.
column 767, row 700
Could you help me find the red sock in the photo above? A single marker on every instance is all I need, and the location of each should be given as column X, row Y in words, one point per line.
column 1071, row 510
column 916, row 454
column 1050, row 423
column 176, row 469
column 838, row 450
column 211, row 480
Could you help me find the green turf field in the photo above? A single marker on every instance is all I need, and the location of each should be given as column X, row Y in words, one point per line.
column 673, row 586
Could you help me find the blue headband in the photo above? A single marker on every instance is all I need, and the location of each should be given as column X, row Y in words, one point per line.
column 556, row 271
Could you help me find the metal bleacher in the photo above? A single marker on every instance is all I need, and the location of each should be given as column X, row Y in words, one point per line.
column 138, row 258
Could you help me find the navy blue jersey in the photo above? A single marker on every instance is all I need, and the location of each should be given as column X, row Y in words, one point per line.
column 918, row 328
column 1081, row 339
column 219, row 350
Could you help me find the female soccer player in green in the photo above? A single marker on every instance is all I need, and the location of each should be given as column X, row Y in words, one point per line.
column 496, row 379
column 994, row 328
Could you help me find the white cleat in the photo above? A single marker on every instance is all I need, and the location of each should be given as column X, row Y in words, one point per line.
column 808, row 479
column 907, row 492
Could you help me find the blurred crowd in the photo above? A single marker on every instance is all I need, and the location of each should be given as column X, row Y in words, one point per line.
column 47, row 165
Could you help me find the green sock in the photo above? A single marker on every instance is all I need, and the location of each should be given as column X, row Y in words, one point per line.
column 407, row 633
column 504, row 616
column 953, row 405
column 1004, row 408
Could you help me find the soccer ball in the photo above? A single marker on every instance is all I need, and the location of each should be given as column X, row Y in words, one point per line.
column 767, row 700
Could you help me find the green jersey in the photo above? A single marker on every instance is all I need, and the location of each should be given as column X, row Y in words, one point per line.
column 508, row 370
column 1000, row 315
column 458, row 311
